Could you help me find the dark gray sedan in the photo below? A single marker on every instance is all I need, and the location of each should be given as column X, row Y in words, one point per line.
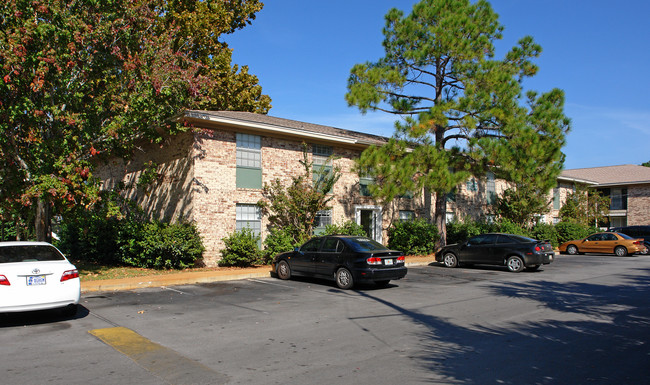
column 514, row 251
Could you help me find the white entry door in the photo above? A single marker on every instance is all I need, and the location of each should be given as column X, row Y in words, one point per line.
column 370, row 219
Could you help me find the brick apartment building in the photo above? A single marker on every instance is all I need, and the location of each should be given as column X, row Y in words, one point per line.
column 214, row 175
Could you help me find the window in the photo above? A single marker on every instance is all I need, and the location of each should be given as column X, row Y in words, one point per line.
column 450, row 217
column 364, row 185
column 556, row 198
column 322, row 220
column 322, row 166
column 406, row 215
column 332, row 245
column 472, row 185
column 451, row 195
column 312, row 245
column 249, row 161
column 619, row 199
column 490, row 189
column 249, row 215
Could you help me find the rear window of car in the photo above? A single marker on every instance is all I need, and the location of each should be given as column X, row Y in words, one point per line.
column 625, row 236
column 37, row 253
column 365, row 245
column 522, row 239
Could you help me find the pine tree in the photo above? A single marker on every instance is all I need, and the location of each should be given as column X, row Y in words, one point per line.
column 460, row 110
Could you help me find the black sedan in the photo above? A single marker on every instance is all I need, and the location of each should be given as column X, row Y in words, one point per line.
column 345, row 259
column 514, row 251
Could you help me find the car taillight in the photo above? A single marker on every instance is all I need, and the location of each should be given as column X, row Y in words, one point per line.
column 4, row 281
column 374, row 261
column 537, row 248
column 637, row 242
column 401, row 259
column 70, row 274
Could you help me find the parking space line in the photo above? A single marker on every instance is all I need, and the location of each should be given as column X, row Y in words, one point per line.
column 160, row 361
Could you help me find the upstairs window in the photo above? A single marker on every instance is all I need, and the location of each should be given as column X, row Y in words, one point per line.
column 490, row 189
column 249, row 161
column 322, row 167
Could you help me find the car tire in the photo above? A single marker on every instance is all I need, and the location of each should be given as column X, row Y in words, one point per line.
column 645, row 251
column 515, row 264
column 572, row 250
column 532, row 267
column 382, row 283
column 344, row 279
column 450, row 260
column 620, row 251
column 283, row 270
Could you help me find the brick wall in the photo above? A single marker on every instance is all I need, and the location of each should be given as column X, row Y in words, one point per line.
column 638, row 205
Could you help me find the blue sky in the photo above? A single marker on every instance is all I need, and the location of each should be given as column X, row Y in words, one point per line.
column 597, row 51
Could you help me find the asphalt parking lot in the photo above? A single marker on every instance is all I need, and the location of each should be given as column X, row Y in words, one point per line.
column 580, row 320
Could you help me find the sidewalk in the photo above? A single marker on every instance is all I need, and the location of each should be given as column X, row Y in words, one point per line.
column 188, row 278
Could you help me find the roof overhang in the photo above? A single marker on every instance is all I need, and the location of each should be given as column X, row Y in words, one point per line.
column 207, row 120
column 577, row 180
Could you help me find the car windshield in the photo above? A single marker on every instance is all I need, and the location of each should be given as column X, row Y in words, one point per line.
column 365, row 244
column 35, row 253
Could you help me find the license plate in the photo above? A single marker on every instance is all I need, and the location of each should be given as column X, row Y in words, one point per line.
column 388, row 261
column 36, row 280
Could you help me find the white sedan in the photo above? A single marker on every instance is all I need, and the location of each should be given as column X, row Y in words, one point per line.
column 36, row 276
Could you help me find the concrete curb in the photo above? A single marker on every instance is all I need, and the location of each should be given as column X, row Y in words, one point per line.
column 189, row 278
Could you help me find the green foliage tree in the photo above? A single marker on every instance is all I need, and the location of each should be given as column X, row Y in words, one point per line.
column 585, row 206
column 520, row 205
column 294, row 207
column 646, row 164
column 461, row 109
column 85, row 78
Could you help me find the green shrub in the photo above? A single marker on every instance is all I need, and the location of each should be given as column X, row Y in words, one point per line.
column 278, row 241
column 567, row 231
column 345, row 228
column 458, row 231
column 91, row 238
column 509, row 227
column 545, row 232
column 417, row 237
column 159, row 245
column 241, row 249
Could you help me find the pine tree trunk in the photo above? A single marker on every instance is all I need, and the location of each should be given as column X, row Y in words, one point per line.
column 441, row 216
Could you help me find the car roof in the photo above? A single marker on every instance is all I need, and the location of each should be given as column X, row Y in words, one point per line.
column 24, row 243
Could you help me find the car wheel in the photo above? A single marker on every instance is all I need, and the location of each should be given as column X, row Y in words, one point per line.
column 344, row 279
column 382, row 283
column 283, row 270
column 645, row 251
column 571, row 250
column 532, row 267
column 450, row 260
column 620, row 251
column 515, row 264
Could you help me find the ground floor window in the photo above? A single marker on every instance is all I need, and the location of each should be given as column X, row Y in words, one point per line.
column 322, row 220
column 248, row 215
column 406, row 215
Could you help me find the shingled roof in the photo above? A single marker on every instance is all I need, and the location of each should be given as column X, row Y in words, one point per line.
column 610, row 175
column 285, row 126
